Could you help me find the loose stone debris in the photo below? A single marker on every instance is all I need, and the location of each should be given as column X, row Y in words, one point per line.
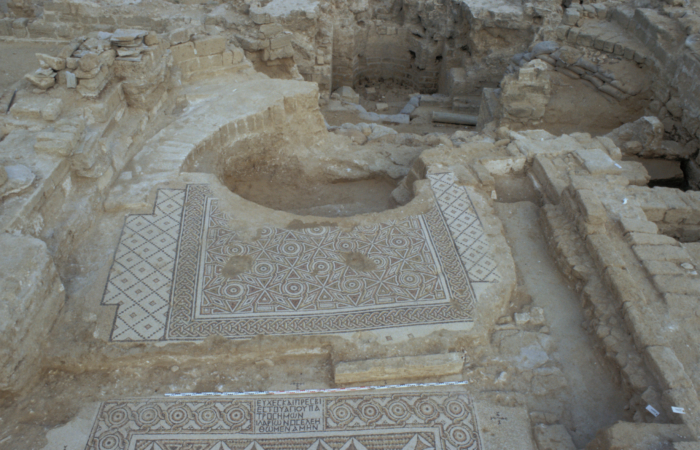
column 424, row 224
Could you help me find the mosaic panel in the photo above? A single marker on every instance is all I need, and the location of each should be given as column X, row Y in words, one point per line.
column 183, row 274
column 410, row 420
column 465, row 227
column 140, row 280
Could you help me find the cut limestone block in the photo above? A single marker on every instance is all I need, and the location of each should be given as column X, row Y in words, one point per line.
column 398, row 368
column 210, row 45
column 31, row 295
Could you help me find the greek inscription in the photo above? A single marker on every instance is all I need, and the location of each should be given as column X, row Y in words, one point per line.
column 289, row 415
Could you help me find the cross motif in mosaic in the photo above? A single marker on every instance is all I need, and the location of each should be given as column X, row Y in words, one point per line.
column 409, row 420
column 141, row 276
column 465, row 227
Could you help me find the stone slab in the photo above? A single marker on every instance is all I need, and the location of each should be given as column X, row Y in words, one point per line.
column 372, row 370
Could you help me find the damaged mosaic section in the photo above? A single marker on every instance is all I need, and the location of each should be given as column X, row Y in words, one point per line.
column 183, row 274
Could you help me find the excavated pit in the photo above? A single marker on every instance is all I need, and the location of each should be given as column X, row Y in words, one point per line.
column 286, row 192
column 544, row 258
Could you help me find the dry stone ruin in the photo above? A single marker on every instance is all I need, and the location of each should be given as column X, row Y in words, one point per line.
column 349, row 224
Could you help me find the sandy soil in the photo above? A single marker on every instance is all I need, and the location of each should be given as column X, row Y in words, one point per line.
column 325, row 200
column 16, row 60
column 595, row 401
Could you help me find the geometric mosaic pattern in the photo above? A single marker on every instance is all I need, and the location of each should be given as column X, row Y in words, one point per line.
column 465, row 227
column 140, row 280
column 411, row 420
column 308, row 270
column 183, row 274
column 336, row 296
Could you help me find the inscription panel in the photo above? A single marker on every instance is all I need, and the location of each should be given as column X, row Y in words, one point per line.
column 289, row 415
column 401, row 420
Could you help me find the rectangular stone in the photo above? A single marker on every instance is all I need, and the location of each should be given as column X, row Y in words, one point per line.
column 211, row 61
column 638, row 225
column 677, row 209
column 667, row 368
column 677, row 284
column 398, row 368
column 271, row 29
column 651, row 239
column 590, row 206
column 663, row 268
column 280, row 41
column 210, row 45
column 661, row 253
column 603, row 252
column 182, row 52
column 596, row 161
column 623, row 286
column 654, row 208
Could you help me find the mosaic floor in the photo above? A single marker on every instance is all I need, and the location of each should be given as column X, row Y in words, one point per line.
column 182, row 274
column 407, row 420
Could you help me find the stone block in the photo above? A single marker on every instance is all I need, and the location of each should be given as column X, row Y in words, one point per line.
column 180, row 35
column 238, row 56
column 667, row 368
column 89, row 62
column 48, row 61
column 549, row 178
column 663, row 268
column 635, row 172
column 52, row 109
column 72, row 63
column 638, row 225
column 653, row 208
column 677, row 209
column 227, row 58
column 661, row 253
column 398, row 368
column 57, row 146
column 182, row 52
column 603, row 251
column 590, row 206
column 597, row 162
column 571, row 17
column 3, row 175
column 638, row 238
column 31, row 296
column 210, row 45
column 271, row 29
column 40, row 82
column 348, row 94
column 281, row 41
column 677, row 284
column 623, row 286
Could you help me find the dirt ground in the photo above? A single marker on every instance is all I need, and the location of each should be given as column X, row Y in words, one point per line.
column 325, row 200
column 14, row 64
column 594, row 399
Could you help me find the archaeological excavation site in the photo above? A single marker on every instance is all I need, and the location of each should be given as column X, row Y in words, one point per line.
column 349, row 225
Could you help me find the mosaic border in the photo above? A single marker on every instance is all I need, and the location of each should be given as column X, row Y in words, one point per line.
column 444, row 418
column 183, row 326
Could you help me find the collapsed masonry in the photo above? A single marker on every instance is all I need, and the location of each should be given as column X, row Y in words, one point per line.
column 252, row 196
